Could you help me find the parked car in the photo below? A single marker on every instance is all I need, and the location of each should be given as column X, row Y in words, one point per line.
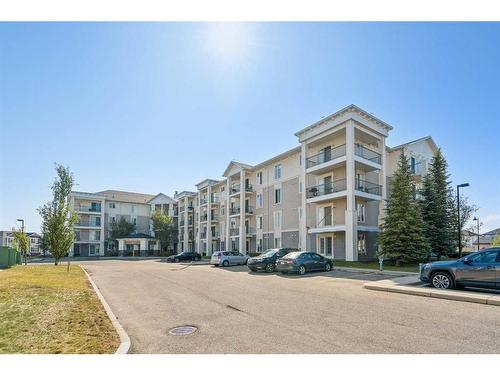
column 481, row 269
column 227, row 258
column 302, row 262
column 267, row 260
column 184, row 256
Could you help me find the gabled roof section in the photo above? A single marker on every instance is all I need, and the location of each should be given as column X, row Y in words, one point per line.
column 206, row 182
column 276, row 158
column 126, row 196
column 349, row 108
column 161, row 195
column 427, row 139
column 183, row 194
column 236, row 164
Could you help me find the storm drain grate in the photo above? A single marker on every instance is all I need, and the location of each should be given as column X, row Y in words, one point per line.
column 182, row 330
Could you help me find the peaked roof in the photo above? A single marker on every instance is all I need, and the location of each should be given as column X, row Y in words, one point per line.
column 423, row 139
column 161, row 195
column 126, row 196
column 238, row 164
column 349, row 108
column 493, row 232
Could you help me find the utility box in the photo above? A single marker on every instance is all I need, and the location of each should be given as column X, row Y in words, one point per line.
column 9, row 257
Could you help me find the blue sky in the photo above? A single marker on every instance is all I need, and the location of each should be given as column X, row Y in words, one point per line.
column 131, row 106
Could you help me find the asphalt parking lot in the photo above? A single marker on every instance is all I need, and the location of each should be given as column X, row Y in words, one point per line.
column 240, row 312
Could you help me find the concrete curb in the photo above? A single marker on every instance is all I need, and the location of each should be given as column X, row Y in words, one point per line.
column 124, row 338
column 377, row 272
column 411, row 285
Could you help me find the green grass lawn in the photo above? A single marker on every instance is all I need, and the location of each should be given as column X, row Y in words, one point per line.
column 44, row 309
column 375, row 266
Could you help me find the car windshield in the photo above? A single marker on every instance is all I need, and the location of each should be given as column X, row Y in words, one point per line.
column 293, row 255
column 269, row 253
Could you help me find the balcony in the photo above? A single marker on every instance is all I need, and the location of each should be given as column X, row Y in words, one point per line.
column 367, row 154
column 214, row 200
column 181, row 209
column 203, row 235
column 234, row 189
column 324, row 189
column 203, row 201
column 249, row 188
column 368, row 187
column 248, row 210
column 181, row 223
column 234, row 210
column 325, row 156
column 215, row 235
column 203, row 217
column 84, row 223
column 214, row 218
column 250, row 231
column 234, row 232
column 89, row 208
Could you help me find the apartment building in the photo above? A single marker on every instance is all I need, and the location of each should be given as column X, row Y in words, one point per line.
column 325, row 195
column 97, row 211
column 7, row 239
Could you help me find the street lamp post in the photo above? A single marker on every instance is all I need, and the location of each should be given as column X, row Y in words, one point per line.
column 22, row 230
column 458, row 219
column 476, row 218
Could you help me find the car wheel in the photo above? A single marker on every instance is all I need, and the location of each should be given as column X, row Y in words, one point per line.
column 176, row 260
column 270, row 267
column 302, row 270
column 328, row 267
column 225, row 263
column 442, row 280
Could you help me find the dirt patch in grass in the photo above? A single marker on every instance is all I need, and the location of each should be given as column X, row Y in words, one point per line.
column 44, row 309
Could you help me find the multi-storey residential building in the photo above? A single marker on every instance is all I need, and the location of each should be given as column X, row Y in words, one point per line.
column 326, row 195
column 97, row 212
column 7, row 238
column 187, row 208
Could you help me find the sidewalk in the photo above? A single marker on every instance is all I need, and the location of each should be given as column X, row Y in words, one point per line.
column 412, row 285
column 374, row 271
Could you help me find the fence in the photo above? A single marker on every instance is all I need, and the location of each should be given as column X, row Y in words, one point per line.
column 9, row 257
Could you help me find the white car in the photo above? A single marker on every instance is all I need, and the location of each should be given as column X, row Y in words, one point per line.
column 228, row 258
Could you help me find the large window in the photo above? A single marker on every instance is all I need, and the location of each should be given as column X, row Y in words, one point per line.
column 259, row 178
column 260, row 200
column 327, row 216
column 259, row 222
column 277, row 219
column 360, row 210
column 277, row 196
column 361, row 244
column 277, row 171
column 277, row 242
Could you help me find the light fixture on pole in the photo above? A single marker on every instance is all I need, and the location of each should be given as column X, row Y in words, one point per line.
column 458, row 219
column 476, row 218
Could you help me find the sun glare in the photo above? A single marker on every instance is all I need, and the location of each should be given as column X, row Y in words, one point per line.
column 229, row 43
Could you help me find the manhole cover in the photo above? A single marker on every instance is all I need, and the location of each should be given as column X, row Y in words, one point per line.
column 182, row 330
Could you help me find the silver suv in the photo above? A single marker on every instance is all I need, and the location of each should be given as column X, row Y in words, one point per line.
column 481, row 269
column 228, row 258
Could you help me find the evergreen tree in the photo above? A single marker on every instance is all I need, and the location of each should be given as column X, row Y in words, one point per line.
column 402, row 236
column 438, row 208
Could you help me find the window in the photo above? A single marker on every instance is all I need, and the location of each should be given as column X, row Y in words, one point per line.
column 277, row 219
column 300, row 187
column 133, row 208
column 277, row 171
column 133, row 220
column 277, row 196
column 260, row 200
column 259, row 222
column 112, row 205
column 277, row 242
column 97, row 235
column 486, row 257
column 360, row 210
column 112, row 219
column 300, row 159
column 361, row 244
column 222, row 210
column 327, row 216
column 413, row 164
column 259, row 178
column 259, row 245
